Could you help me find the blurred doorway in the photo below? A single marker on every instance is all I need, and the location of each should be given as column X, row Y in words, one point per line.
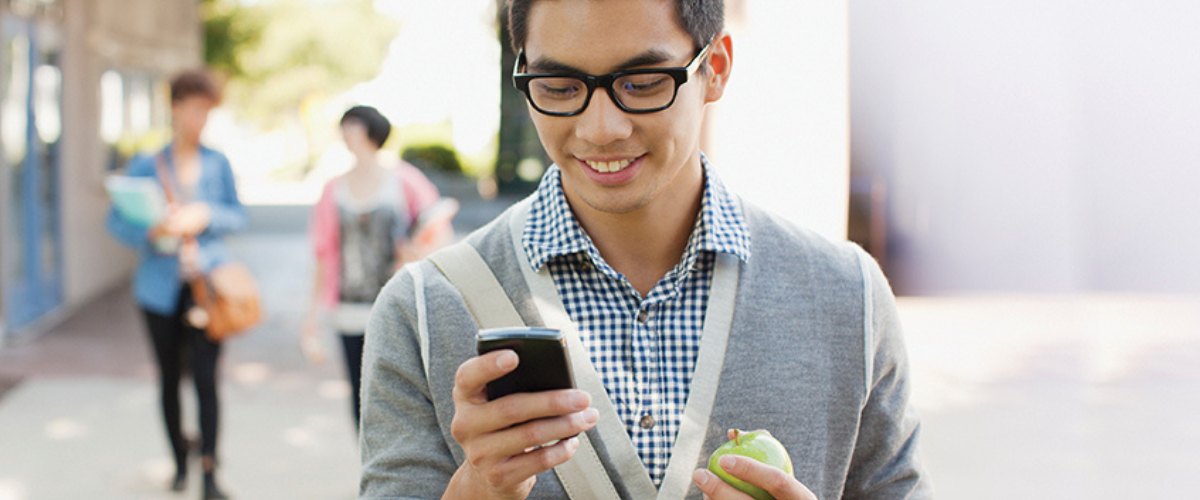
column 30, row 134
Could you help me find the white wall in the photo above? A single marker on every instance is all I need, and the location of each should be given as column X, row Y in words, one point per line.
column 1032, row 145
column 1138, row 69
column 780, row 135
column 147, row 34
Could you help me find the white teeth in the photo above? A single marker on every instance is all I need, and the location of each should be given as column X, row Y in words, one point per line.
column 607, row 167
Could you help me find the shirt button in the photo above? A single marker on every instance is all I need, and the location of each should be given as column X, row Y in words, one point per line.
column 647, row 421
column 643, row 316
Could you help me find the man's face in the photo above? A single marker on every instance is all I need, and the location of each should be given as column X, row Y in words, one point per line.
column 657, row 154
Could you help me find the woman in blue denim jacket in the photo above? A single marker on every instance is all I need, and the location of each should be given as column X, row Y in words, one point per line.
column 206, row 208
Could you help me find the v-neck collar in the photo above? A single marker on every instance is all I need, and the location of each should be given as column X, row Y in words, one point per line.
column 187, row 193
column 551, row 229
column 685, row 453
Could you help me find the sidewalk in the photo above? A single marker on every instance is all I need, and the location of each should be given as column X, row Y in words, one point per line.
column 83, row 421
column 1057, row 397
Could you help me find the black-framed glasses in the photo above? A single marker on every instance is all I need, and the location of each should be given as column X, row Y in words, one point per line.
column 643, row 90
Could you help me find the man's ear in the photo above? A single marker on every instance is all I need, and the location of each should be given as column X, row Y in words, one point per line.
column 720, row 65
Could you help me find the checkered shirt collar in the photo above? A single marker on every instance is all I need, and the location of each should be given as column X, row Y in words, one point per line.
column 552, row 231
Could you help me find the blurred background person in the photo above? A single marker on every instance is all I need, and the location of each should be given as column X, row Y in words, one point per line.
column 205, row 209
column 368, row 223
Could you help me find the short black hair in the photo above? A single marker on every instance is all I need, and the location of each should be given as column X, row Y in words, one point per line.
column 700, row 19
column 194, row 82
column 378, row 127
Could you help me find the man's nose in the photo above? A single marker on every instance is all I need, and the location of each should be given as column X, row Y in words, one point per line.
column 603, row 122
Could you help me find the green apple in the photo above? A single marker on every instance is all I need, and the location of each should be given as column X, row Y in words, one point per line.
column 759, row 445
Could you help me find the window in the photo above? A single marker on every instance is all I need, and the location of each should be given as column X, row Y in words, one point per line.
column 133, row 115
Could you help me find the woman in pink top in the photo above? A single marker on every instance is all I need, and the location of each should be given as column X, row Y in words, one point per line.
column 362, row 232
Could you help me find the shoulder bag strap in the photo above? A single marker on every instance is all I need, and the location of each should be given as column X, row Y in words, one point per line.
column 164, row 177
column 583, row 476
column 198, row 286
column 484, row 296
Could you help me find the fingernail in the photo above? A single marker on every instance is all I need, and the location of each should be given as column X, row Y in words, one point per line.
column 573, row 444
column 700, row 477
column 580, row 400
column 727, row 462
column 507, row 360
column 591, row 416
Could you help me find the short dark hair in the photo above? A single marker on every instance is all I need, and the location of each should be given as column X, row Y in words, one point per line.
column 194, row 82
column 378, row 127
column 700, row 19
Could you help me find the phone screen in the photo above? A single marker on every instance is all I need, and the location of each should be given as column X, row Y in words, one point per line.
column 543, row 365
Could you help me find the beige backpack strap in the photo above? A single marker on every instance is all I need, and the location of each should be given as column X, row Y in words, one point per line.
column 470, row 274
column 583, row 476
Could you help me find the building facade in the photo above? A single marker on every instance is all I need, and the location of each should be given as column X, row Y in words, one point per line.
column 82, row 82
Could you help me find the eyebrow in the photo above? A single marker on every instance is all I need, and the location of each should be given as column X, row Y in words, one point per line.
column 647, row 58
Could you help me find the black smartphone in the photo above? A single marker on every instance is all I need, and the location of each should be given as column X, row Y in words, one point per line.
column 543, row 365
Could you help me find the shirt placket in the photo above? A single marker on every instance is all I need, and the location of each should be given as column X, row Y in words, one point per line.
column 651, row 417
column 627, row 385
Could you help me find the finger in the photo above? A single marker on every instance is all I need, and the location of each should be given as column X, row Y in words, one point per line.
column 778, row 483
column 517, row 439
column 537, row 461
column 473, row 375
column 180, row 224
column 480, row 420
column 716, row 489
column 192, row 208
column 522, row 407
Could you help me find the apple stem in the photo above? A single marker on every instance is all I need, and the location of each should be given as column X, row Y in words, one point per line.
column 736, row 434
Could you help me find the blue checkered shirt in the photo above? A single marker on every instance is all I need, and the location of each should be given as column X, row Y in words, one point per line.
column 644, row 349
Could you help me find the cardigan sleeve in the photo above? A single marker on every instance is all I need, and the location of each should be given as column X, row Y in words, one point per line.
column 404, row 452
column 885, row 463
column 324, row 234
column 322, row 229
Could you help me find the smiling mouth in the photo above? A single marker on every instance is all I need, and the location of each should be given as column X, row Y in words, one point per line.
column 608, row 167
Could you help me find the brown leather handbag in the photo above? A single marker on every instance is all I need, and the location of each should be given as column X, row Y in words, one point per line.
column 225, row 300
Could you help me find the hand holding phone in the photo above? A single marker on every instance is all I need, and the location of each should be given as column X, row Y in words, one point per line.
column 543, row 364
column 507, row 442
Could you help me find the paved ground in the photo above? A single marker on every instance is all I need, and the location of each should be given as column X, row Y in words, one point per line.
column 1022, row 397
column 83, row 421
column 1081, row 397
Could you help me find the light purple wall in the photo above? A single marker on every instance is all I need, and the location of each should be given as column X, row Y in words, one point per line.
column 1032, row 146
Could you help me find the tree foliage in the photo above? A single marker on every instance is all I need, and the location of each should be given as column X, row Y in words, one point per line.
column 229, row 30
column 433, row 156
column 281, row 54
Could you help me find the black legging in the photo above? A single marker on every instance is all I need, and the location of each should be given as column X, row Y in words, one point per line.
column 174, row 340
column 352, row 346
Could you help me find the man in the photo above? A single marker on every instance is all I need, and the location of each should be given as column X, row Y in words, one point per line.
column 694, row 311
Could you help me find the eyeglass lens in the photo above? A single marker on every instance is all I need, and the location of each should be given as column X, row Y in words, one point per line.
column 642, row 91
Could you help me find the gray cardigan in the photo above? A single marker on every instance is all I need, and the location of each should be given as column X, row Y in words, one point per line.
column 815, row 355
